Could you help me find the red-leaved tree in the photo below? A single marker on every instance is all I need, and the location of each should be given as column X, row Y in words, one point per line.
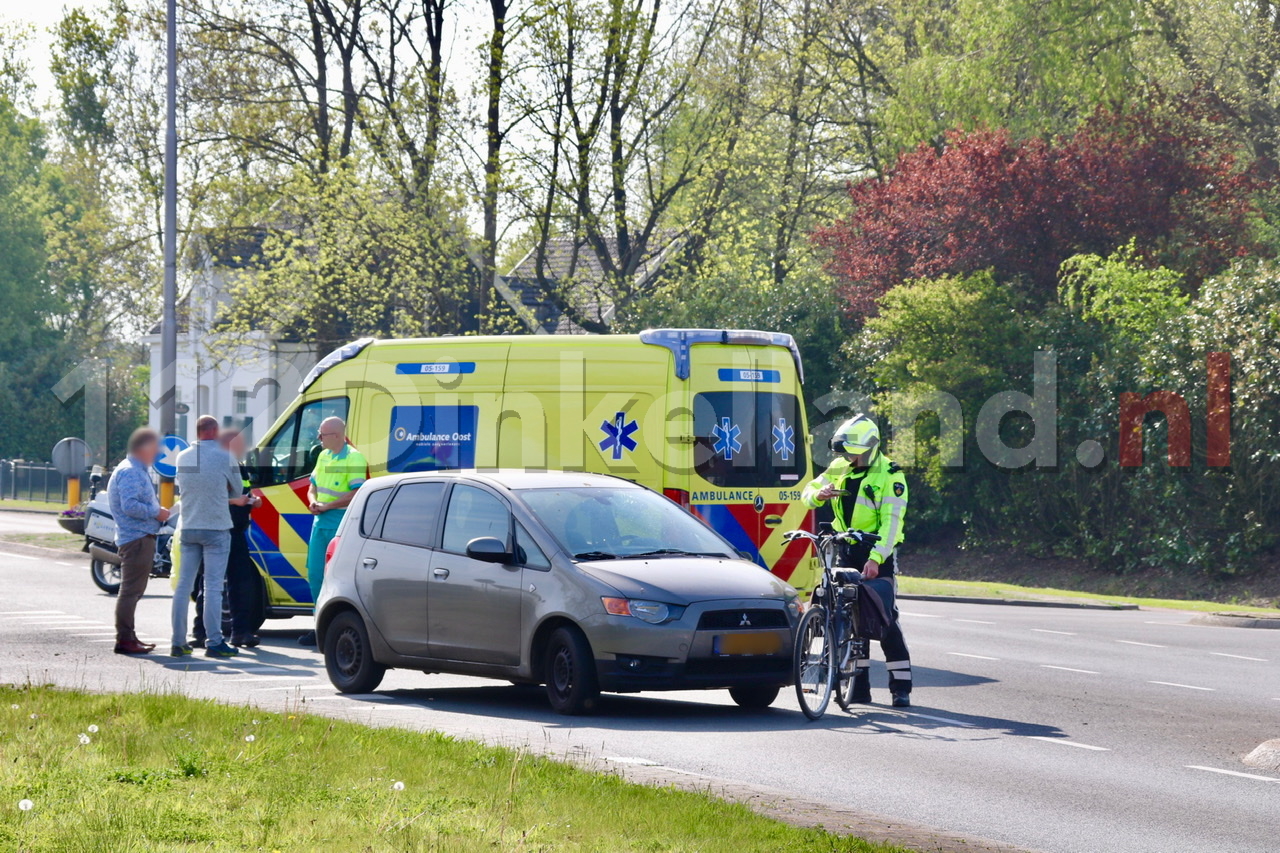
column 1164, row 177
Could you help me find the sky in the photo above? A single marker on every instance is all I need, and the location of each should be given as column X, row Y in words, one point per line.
column 41, row 14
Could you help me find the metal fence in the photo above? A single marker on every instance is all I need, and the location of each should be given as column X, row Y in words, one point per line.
column 35, row 481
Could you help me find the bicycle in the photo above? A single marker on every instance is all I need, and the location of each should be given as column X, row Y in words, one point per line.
column 828, row 645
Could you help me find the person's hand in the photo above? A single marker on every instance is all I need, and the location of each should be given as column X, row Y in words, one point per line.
column 827, row 492
column 871, row 570
column 316, row 507
column 163, row 515
column 255, row 501
column 243, row 500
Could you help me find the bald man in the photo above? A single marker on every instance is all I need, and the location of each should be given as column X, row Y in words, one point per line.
column 339, row 471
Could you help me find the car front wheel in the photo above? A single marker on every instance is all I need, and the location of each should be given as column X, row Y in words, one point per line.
column 348, row 657
column 571, row 673
column 754, row 698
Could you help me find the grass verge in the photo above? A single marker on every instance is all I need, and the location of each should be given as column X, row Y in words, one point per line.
column 61, row 541
column 48, row 506
column 144, row 772
column 991, row 589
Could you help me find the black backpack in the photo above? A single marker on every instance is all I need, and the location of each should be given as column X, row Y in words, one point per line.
column 875, row 609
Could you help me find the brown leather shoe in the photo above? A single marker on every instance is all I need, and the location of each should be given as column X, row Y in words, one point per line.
column 133, row 647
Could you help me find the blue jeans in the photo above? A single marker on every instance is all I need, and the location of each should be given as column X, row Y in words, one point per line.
column 213, row 547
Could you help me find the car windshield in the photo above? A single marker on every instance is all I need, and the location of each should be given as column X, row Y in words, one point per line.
column 605, row 524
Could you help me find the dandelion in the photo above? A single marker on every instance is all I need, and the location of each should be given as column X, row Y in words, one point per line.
column 26, row 805
column 14, row 707
column 84, row 739
column 249, row 738
column 397, row 786
column 255, row 722
column 93, row 730
column 35, row 716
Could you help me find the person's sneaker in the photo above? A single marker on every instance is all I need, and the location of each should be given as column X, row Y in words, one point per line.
column 902, row 699
column 246, row 641
column 222, row 650
column 179, row 651
column 308, row 639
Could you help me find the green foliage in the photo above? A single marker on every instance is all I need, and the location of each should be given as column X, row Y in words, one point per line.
column 1118, row 291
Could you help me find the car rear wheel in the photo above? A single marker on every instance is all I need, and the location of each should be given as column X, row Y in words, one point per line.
column 754, row 698
column 571, row 673
column 348, row 657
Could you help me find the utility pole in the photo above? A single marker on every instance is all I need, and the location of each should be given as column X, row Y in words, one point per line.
column 169, row 325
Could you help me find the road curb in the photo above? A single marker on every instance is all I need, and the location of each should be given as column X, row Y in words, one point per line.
column 1237, row 620
column 1016, row 602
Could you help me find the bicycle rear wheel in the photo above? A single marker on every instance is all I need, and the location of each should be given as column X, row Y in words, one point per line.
column 813, row 663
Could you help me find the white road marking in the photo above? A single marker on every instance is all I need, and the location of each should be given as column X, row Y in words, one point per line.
column 1069, row 669
column 1059, row 740
column 975, row 657
column 61, row 563
column 285, row 687
column 1238, row 657
column 28, row 612
column 1136, row 643
column 1188, row 686
column 70, row 621
column 1233, row 773
column 920, row 615
column 18, row 556
column 101, row 641
column 975, row 622
column 97, row 634
column 298, row 678
column 78, row 627
column 621, row 759
column 1047, row 631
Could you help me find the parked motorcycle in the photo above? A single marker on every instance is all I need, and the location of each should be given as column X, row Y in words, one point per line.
column 100, row 541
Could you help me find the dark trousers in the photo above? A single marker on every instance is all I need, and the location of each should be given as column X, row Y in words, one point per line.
column 136, row 559
column 244, row 593
column 894, row 646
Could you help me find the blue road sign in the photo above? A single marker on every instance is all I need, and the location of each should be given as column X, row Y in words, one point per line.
column 166, row 463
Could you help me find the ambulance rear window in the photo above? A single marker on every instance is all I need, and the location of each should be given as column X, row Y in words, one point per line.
column 748, row 439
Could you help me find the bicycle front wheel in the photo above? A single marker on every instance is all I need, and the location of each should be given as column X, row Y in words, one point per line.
column 813, row 662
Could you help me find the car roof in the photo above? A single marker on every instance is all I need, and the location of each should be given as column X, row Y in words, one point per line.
column 515, row 478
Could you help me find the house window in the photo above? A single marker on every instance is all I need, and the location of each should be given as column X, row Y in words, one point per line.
column 241, row 400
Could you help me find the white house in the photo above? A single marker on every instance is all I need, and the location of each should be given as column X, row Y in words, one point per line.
column 248, row 384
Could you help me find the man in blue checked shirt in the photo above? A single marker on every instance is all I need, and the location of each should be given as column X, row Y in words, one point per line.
column 138, row 516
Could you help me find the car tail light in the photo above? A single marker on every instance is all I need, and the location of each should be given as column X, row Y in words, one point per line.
column 680, row 496
column 329, row 549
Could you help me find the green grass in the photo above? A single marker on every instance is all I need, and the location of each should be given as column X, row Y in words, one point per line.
column 62, row 540
column 57, row 504
column 987, row 589
column 168, row 773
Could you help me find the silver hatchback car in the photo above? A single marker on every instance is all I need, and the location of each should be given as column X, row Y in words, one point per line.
column 581, row 582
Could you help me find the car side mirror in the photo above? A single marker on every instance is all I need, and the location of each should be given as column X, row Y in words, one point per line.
column 486, row 549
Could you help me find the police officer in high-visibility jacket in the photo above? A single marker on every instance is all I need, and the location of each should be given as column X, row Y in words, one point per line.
column 340, row 470
column 868, row 493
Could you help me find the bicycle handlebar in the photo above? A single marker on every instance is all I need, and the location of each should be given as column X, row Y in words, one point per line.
column 846, row 536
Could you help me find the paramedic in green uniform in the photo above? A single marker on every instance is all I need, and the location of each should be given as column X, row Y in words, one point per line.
column 339, row 471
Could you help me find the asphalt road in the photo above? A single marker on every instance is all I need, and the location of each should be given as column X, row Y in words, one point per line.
column 1055, row 730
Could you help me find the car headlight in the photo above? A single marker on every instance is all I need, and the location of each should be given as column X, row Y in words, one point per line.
column 653, row 612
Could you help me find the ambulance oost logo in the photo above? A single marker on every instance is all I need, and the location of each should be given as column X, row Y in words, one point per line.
column 617, row 435
column 401, row 434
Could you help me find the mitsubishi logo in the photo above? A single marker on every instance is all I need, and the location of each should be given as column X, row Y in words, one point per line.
column 746, row 621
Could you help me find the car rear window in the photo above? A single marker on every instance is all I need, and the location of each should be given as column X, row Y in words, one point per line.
column 372, row 509
column 748, row 438
column 414, row 513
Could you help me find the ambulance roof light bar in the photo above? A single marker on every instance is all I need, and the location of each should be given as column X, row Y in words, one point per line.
column 679, row 341
column 341, row 354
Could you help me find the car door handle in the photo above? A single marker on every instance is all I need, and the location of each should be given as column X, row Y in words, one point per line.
column 442, row 574
column 369, row 562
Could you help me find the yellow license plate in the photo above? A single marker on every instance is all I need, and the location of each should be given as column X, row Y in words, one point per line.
column 747, row 644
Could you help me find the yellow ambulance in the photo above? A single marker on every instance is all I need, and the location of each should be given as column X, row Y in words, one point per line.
column 714, row 419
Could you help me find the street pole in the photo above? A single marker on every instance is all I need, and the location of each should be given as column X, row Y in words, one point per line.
column 169, row 325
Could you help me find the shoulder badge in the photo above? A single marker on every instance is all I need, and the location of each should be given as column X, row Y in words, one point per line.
column 898, row 489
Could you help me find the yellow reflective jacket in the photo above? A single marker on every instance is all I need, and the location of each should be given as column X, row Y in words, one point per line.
column 876, row 503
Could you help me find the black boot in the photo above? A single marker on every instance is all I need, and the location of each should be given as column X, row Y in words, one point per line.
column 861, row 693
column 901, row 699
